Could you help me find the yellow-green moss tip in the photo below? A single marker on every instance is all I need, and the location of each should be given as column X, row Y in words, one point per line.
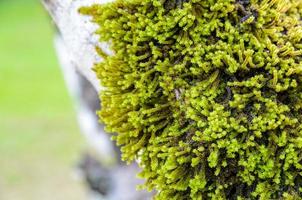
column 206, row 94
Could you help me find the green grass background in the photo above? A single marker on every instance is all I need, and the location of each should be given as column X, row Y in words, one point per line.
column 39, row 137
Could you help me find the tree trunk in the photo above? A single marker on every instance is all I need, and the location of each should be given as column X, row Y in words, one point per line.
column 75, row 43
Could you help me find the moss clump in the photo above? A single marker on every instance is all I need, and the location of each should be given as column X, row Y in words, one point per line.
column 206, row 94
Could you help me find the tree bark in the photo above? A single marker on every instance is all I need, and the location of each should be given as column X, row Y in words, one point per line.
column 75, row 43
column 77, row 33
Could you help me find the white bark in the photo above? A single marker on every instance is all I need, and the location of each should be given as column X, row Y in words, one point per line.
column 77, row 33
column 94, row 133
column 75, row 47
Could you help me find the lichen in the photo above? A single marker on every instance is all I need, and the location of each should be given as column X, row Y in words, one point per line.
column 206, row 95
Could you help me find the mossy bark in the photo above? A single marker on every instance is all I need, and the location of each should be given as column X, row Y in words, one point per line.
column 207, row 95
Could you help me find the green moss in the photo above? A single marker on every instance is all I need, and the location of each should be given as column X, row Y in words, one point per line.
column 206, row 95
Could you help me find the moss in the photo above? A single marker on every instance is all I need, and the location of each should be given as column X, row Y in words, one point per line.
column 206, row 95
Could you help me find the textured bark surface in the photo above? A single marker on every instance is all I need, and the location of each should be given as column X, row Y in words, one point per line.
column 77, row 33
column 107, row 177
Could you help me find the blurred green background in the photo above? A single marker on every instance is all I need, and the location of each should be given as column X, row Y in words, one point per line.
column 39, row 138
